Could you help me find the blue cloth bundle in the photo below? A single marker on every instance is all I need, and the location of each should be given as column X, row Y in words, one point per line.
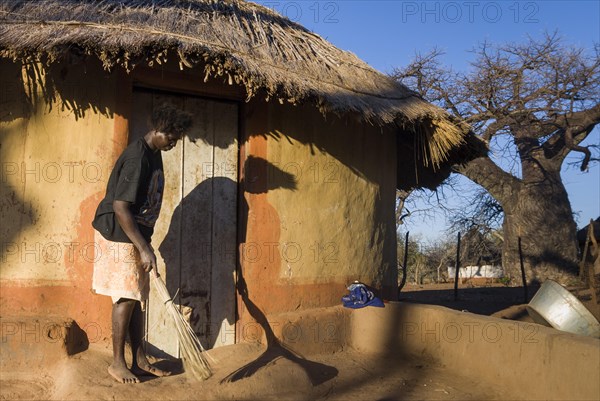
column 359, row 297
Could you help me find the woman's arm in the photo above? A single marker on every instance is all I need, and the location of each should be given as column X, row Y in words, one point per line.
column 130, row 227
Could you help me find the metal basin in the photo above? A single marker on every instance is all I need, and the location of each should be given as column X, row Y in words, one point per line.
column 554, row 306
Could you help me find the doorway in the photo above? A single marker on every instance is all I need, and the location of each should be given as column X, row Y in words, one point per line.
column 195, row 236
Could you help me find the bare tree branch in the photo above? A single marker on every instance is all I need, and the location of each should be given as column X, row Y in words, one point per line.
column 486, row 173
column 535, row 102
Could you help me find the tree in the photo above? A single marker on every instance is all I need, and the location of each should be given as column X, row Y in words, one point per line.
column 536, row 101
column 478, row 221
column 426, row 262
column 440, row 255
column 417, row 267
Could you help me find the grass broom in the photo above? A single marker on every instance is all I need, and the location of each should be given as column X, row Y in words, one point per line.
column 192, row 352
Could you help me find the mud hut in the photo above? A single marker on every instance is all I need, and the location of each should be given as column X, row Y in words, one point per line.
column 283, row 193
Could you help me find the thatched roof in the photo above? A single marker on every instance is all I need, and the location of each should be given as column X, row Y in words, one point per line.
column 241, row 41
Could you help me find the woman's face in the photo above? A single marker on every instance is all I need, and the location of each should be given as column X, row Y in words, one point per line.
column 165, row 142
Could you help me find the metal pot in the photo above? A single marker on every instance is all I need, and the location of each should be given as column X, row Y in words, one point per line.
column 553, row 305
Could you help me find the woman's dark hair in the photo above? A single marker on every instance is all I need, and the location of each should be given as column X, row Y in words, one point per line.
column 171, row 120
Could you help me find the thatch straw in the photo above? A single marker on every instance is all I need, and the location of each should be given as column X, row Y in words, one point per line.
column 192, row 352
column 243, row 42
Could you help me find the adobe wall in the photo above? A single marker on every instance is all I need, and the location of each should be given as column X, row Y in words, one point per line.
column 319, row 207
column 533, row 361
column 56, row 155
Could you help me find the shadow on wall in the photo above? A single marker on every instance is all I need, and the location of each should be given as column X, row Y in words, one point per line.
column 317, row 373
column 204, row 112
column 189, row 261
column 256, row 170
column 16, row 213
column 66, row 86
column 261, row 176
column 28, row 90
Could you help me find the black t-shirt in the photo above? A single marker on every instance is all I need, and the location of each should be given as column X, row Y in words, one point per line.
column 137, row 178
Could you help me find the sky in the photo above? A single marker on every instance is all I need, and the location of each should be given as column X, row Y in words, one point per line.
column 387, row 34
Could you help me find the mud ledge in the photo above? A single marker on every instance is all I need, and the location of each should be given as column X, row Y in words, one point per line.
column 38, row 340
column 536, row 361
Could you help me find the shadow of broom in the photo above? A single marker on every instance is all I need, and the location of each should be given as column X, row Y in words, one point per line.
column 317, row 373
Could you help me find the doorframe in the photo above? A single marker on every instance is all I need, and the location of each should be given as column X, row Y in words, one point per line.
column 178, row 84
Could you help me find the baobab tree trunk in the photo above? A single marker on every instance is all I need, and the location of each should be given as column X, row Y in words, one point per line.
column 541, row 215
column 537, row 209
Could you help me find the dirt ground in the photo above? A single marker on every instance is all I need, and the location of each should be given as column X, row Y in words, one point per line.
column 344, row 375
column 250, row 371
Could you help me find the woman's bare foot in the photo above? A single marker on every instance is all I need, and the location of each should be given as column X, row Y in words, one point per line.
column 141, row 366
column 122, row 374
column 146, row 368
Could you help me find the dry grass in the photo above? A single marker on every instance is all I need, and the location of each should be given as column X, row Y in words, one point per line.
column 193, row 353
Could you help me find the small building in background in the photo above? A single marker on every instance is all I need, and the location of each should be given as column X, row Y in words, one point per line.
column 476, row 274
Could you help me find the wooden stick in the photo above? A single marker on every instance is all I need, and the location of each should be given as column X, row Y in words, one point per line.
column 457, row 268
column 404, row 267
column 526, row 297
column 585, row 250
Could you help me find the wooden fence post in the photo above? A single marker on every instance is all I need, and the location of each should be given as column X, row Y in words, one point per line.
column 457, row 268
column 523, row 277
column 404, row 267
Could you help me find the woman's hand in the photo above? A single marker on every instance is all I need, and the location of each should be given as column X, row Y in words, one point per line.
column 148, row 259
column 130, row 227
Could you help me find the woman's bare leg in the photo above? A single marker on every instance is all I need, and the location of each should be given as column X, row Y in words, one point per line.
column 121, row 317
column 140, row 363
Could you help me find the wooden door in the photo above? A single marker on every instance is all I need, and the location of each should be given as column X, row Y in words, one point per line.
column 195, row 235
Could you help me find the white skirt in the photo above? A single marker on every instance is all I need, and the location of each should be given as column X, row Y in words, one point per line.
column 118, row 271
